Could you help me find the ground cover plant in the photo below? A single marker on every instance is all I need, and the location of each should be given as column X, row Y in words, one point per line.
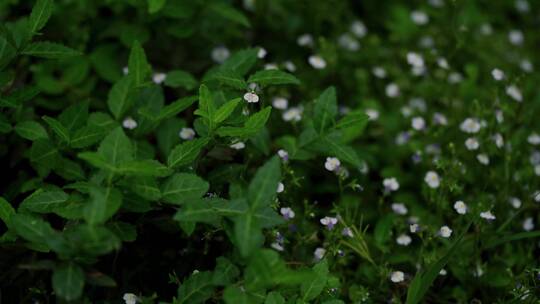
column 269, row 151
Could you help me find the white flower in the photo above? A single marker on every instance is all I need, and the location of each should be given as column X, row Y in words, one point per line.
column 238, row 146
column 418, row 123
column 379, row 72
column 445, row 232
column 305, row 40
column 399, row 208
column 432, row 179
column 187, row 133
column 158, row 78
column 284, row 155
column 372, row 113
column 319, row 253
column 290, row 66
column 528, row 224
column 277, row 246
column 415, row 59
column 261, row 53
column 515, row 37
column 130, row 298
column 499, row 115
column 403, row 240
column 487, row 215
column 472, row 143
column 397, row 276
column 486, row 29
column 443, row 272
column 332, row 163
column 280, row 103
column 522, row 6
column 534, row 139
column 392, row 90
column 442, row 63
column 436, row 3
column 536, row 196
column 526, row 65
column 329, row 222
column 419, row 17
column 271, row 66
column 497, row 74
column 287, row 213
column 514, row 92
column 498, row 139
column 515, row 202
column 125, row 70
column 347, row 232
column 391, row 184
column 483, row 159
column 414, row 228
column 220, row 54
column 251, row 97
column 280, row 187
column 349, row 43
column 455, row 77
column 460, row 207
column 293, row 114
column 358, row 29
column 317, row 62
column 439, row 119
column 129, row 123
column 470, row 125
column 537, row 170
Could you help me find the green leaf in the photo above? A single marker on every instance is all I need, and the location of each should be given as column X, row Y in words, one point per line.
column 241, row 62
column 235, row 295
column 138, row 66
column 41, row 12
column 31, row 228
column 103, row 204
column 58, row 128
column 30, row 130
column 49, row 50
column 274, row 297
column 251, row 127
column 314, row 286
column 352, row 125
column 206, row 105
column 7, row 52
column 68, row 281
column 183, row 187
column 272, row 77
column 325, row 110
column 97, row 160
column 179, row 78
column 226, row 110
column 205, row 210
column 75, row 116
column 155, row 6
column 230, row 13
column 186, row 152
column 196, row 289
column 225, row 272
column 247, row 233
column 6, row 211
column 176, row 107
column 126, row 232
column 87, row 136
column 147, row 167
column 119, row 99
column 228, row 78
column 263, row 187
column 116, row 147
column 44, row 201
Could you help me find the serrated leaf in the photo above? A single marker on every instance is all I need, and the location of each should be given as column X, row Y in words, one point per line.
column 195, row 289
column 226, row 110
column 6, row 211
column 31, row 228
column 230, row 13
column 30, row 130
column 44, row 201
column 103, row 204
column 68, row 281
column 138, row 66
column 247, row 233
column 262, row 188
column 325, row 110
column 225, row 272
column 228, row 78
column 313, row 287
column 58, row 128
column 186, row 152
column 75, row 116
column 119, row 99
column 274, row 297
column 116, row 147
column 176, row 107
column 205, row 210
column 272, row 77
column 49, row 50
column 241, row 62
column 179, row 78
column 41, row 12
column 251, row 127
column 147, row 167
column 183, row 187
column 87, row 136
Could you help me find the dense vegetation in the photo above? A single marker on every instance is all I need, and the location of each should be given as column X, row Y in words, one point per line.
column 269, row 151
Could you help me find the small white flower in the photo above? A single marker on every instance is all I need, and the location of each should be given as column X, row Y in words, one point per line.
column 305, row 40
column 498, row 139
column 271, row 66
column 347, row 232
column 329, row 222
column 515, row 37
column 319, row 253
column 414, row 228
column 130, row 298
column 483, row 159
column 534, row 139
column 290, row 66
column 392, row 90
column 251, row 97
column 220, row 54
column 332, row 164
column 514, row 92
column 373, row 114
column 536, row 196
column 238, row 146
column 432, row 179
column 460, row 207
column 292, row 114
column 442, row 63
column 515, row 202
column 470, row 125
column 522, row 6
column 445, row 232
column 277, row 246
column 187, row 133
column 399, row 208
column 280, row 188
column 472, row 143
column 455, row 77
column 125, row 70
column 348, row 43
column 443, row 272
column 261, row 53
column 358, row 29
column 537, row 170
column 379, row 72
column 528, row 224
column 397, row 276
column 419, row 17
column 403, row 240
column 415, row 59
column 499, row 115
column 418, row 123
column 391, row 184
column 284, row 155
column 436, row 3
column 497, row 74
column 280, row 103
column 317, row 62
column 158, row 78
column 287, row 213
column 129, row 123
column 526, row 65
column 486, row 29
column 439, row 119
column 487, row 215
